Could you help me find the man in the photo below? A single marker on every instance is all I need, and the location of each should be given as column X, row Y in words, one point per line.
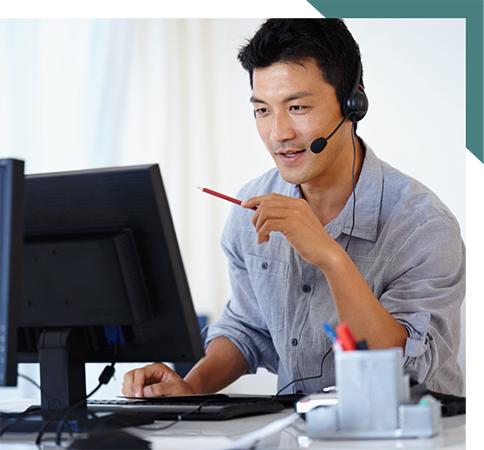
column 391, row 265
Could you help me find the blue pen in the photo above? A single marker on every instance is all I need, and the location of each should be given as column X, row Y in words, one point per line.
column 332, row 335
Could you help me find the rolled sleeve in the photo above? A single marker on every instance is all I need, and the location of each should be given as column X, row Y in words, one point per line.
column 417, row 326
column 426, row 298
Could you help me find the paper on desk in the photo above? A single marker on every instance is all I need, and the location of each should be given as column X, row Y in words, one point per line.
column 189, row 443
column 249, row 439
column 246, row 441
column 16, row 406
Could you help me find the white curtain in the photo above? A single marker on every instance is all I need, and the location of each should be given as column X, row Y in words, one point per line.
column 80, row 94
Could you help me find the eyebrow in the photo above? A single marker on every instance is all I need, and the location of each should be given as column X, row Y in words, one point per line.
column 290, row 98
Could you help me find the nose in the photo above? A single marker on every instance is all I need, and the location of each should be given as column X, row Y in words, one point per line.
column 282, row 127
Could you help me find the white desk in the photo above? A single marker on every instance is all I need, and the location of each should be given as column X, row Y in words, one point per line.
column 198, row 435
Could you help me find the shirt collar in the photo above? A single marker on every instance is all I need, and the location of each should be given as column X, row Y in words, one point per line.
column 368, row 202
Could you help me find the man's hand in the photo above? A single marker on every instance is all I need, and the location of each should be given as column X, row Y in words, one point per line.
column 294, row 218
column 222, row 364
column 153, row 381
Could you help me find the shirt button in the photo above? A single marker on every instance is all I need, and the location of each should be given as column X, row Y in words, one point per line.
column 306, row 288
column 264, row 265
column 293, row 342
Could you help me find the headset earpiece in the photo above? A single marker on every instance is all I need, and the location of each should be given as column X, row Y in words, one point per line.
column 357, row 102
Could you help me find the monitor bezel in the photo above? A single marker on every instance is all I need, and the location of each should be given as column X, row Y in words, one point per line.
column 11, row 244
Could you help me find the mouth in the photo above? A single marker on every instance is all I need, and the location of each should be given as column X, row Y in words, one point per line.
column 290, row 155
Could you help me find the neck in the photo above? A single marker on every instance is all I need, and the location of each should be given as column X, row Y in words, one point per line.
column 328, row 196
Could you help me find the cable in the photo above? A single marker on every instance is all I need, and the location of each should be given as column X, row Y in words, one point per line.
column 37, row 385
column 353, row 184
column 63, row 415
column 306, row 378
column 451, row 404
column 347, row 243
column 182, row 416
column 18, row 417
column 31, row 410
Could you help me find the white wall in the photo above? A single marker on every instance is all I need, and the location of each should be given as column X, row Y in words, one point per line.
column 471, row 355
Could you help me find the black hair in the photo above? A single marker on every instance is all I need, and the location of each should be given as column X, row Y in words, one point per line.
column 327, row 41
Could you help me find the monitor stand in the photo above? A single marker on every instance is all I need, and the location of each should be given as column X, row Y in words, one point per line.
column 63, row 389
column 62, row 369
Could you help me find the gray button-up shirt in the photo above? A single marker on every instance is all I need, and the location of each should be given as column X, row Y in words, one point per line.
column 405, row 243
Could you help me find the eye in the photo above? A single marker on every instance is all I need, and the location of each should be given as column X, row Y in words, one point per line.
column 298, row 108
column 260, row 111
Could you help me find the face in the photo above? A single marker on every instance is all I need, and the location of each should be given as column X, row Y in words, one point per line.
column 294, row 105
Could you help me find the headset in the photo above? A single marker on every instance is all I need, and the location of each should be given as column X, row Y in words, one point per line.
column 355, row 108
column 357, row 102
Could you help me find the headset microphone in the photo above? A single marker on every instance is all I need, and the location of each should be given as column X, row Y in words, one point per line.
column 356, row 106
column 319, row 144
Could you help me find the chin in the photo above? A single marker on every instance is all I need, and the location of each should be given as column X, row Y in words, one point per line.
column 298, row 174
column 292, row 178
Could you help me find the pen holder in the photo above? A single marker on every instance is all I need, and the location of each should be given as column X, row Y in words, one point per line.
column 373, row 400
column 370, row 386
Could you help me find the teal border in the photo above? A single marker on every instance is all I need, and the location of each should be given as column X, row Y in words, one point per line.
column 470, row 10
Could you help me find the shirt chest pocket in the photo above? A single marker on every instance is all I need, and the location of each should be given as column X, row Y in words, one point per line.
column 268, row 278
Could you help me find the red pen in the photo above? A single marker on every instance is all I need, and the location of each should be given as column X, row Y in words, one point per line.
column 225, row 197
column 346, row 336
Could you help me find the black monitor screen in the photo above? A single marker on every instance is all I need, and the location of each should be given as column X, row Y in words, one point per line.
column 103, row 278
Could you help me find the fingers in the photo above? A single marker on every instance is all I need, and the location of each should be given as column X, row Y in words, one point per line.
column 133, row 383
column 173, row 386
column 265, row 226
column 294, row 218
column 275, row 213
column 140, row 382
column 266, row 200
column 251, row 202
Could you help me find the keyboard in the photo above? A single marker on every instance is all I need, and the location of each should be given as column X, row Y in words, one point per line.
column 194, row 407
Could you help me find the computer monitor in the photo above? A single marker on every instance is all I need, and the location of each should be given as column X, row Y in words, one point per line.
column 11, row 238
column 102, row 278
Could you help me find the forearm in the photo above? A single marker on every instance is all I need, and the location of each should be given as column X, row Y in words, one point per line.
column 222, row 364
column 357, row 306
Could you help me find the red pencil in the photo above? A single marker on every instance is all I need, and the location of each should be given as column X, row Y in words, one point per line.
column 347, row 339
column 225, row 197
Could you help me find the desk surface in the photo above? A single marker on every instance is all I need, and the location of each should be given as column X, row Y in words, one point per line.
column 200, row 435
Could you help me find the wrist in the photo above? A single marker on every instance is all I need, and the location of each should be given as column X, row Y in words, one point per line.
column 193, row 384
column 191, row 389
column 334, row 260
